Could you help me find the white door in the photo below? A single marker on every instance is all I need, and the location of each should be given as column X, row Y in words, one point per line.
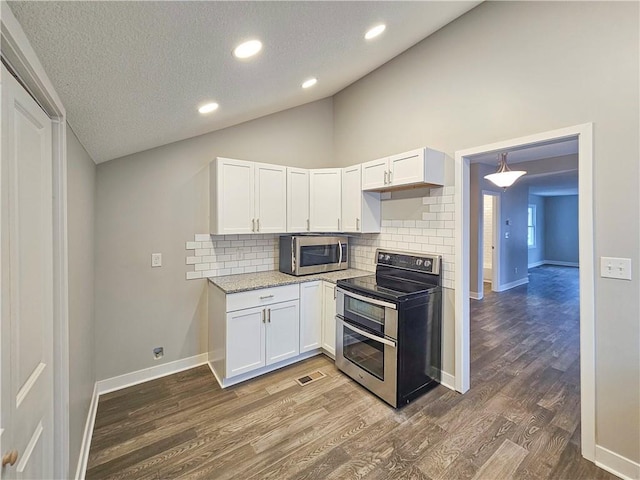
column 26, row 232
column 297, row 200
column 234, row 207
column 310, row 316
column 351, row 199
column 245, row 340
column 375, row 174
column 282, row 332
column 325, row 199
column 407, row 168
column 329, row 318
column 271, row 198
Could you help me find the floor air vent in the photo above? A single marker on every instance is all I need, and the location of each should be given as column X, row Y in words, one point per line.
column 310, row 378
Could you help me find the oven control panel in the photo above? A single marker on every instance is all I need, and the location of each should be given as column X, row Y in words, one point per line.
column 417, row 262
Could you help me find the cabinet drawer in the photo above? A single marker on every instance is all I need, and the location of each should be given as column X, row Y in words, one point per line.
column 263, row 296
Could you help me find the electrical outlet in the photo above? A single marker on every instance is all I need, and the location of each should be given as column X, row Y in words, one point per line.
column 611, row 267
column 158, row 352
column 156, row 259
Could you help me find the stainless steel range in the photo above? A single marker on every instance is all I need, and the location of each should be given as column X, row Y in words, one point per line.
column 389, row 326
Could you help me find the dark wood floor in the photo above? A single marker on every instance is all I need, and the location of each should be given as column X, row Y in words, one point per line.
column 519, row 420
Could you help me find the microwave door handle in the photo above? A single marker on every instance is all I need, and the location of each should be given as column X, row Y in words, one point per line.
column 386, row 341
column 340, row 249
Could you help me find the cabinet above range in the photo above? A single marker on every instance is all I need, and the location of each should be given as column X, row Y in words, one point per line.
column 422, row 166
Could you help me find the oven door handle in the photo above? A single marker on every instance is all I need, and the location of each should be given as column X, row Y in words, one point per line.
column 386, row 341
column 367, row 299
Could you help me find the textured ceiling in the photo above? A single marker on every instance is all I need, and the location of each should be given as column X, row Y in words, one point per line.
column 131, row 74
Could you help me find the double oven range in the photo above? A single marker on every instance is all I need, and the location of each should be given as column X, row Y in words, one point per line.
column 389, row 326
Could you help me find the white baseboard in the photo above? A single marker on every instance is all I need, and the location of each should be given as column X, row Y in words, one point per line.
column 617, row 464
column 151, row 373
column 509, row 286
column 561, row 264
column 475, row 295
column 536, row 264
column 81, row 469
column 447, row 380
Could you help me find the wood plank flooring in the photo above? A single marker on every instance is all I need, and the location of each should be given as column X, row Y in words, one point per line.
column 519, row 420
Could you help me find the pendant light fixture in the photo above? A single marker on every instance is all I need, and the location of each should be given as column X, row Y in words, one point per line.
column 504, row 177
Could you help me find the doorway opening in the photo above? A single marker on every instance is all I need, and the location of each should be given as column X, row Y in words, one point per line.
column 583, row 135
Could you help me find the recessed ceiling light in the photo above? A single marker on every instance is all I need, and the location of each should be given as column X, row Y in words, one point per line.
column 309, row 83
column 208, row 108
column 248, row 49
column 375, row 31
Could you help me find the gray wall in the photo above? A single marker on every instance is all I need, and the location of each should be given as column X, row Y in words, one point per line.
column 561, row 228
column 536, row 254
column 155, row 201
column 81, row 187
column 509, row 69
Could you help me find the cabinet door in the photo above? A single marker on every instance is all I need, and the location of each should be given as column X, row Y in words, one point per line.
column 374, row 174
column 310, row 316
column 232, row 208
column 271, row 198
column 407, row 168
column 245, row 341
column 329, row 318
column 297, row 200
column 325, row 199
column 351, row 199
column 282, row 331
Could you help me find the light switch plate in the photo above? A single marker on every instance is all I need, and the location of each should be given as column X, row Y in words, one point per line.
column 611, row 267
column 156, row 259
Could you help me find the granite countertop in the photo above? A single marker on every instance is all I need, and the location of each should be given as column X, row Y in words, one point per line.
column 253, row 281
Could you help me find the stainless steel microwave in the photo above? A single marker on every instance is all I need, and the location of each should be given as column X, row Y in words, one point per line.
column 306, row 254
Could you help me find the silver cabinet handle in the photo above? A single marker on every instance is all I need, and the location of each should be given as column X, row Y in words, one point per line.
column 264, row 316
column 264, row 297
column 253, row 224
column 308, row 226
column 269, row 315
column 334, row 293
column 390, row 176
column 385, row 177
column 258, row 223
column 357, row 224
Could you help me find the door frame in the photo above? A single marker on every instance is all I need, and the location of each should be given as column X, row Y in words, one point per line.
column 18, row 52
column 496, row 197
column 584, row 134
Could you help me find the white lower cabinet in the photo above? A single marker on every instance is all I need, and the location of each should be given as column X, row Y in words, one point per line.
column 261, row 336
column 311, row 315
column 329, row 318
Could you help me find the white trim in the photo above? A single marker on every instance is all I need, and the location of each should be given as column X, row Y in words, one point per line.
column 536, row 264
column 584, row 133
column 510, row 285
column 23, row 59
column 476, row 295
column 83, row 458
column 227, row 382
column 561, row 264
column 447, row 380
column 140, row 376
column 617, row 464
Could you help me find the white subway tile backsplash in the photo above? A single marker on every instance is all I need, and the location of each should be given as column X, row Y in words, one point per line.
column 192, row 275
column 202, row 237
column 193, row 260
column 201, row 252
column 193, row 245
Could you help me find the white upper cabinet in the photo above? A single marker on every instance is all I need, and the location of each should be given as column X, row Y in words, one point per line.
column 247, row 197
column 270, row 198
column 374, row 174
column 297, row 200
column 232, row 196
column 360, row 210
column 416, row 167
column 325, row 201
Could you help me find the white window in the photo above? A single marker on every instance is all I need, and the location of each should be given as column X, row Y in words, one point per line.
column 531, row 226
